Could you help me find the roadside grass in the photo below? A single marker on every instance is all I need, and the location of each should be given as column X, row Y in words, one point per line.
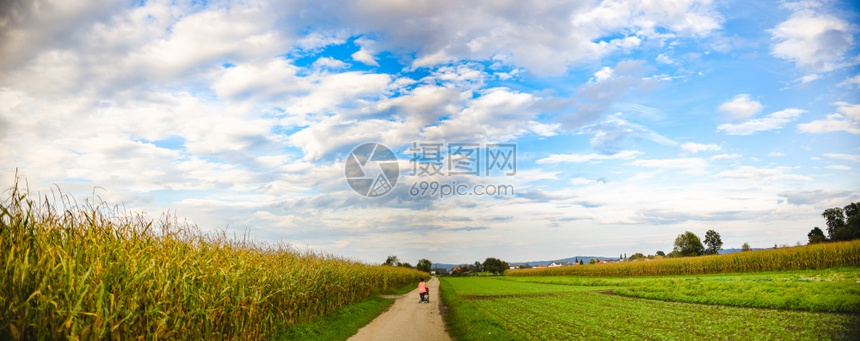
column 339, row 324
column 346, row 321
column 593, row 314
column 829, row 290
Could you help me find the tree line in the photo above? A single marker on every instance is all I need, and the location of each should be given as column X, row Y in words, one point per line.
column 423, row 263
column 490, row 265
column 842, row 224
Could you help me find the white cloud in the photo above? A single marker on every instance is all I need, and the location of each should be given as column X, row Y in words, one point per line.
column 544, row 129
column 546, row 38
column 596, row 99
column 681, row 163
column 851, row 81
column 820, row 198
column 498, row 114
column 610, row 134
column 329, row 62
column 266, row 79
column 761, row 174
column 558, row 158
column 662, row 58
column 741, row 107
column 776, row 154
column 813, row 40
column 693, row 148
column 808, row 79
column 852, row 111
column 839, row 167
column 726, row 156
column 770, row 122
column 331, row 91
column 846, row 157
column 832, row 123
column 468, row 76
column 237, row 35
column 846, row 120
column 365, row 57
column 603, row 74
column 583, row 181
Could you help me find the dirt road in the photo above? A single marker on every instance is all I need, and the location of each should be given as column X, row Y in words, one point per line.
column 408, row 320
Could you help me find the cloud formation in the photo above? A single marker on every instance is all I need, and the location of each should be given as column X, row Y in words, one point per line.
column 241, row 114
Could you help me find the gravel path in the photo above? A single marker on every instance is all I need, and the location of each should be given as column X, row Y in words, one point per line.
column 408, row 320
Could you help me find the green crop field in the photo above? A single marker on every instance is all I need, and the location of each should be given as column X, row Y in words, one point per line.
column 589, row 308
column 832, row 290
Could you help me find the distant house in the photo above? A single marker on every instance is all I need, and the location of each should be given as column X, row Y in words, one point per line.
column 540, row 266
column 554, row 265
column 603, row 262
column 440, row 271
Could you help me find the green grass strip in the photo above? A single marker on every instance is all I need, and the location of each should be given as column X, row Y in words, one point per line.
column 340, row 324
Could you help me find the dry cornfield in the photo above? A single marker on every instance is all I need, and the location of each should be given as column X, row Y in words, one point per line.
column 810, row 257
column 87, row 271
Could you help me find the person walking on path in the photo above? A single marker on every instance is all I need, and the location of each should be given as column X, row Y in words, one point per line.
column 423, row 292
column 407, row 321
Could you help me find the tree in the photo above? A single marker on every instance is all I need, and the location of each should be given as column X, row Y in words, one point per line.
column 843, row 223
column 746, row 247
column 851, row 210
column 405, row 265
column 816, row 236
column 661, row 253
column 714, row 242
column 424, row 265
column 391, row 261
column 688, row 244
column 835, row 221
column 636, row 256
column 479, row 267
column 580, row 262
column 494, row 266
column 593, row 261
column 852, row 221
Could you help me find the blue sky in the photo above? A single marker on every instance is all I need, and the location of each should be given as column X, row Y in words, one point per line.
column 633, row 122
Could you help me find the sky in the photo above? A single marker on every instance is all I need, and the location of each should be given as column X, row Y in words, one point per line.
column 623, row 123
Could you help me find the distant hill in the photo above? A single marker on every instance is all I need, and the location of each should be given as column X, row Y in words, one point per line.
column 727, row 251
column 585, row 259
column 447, row 267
